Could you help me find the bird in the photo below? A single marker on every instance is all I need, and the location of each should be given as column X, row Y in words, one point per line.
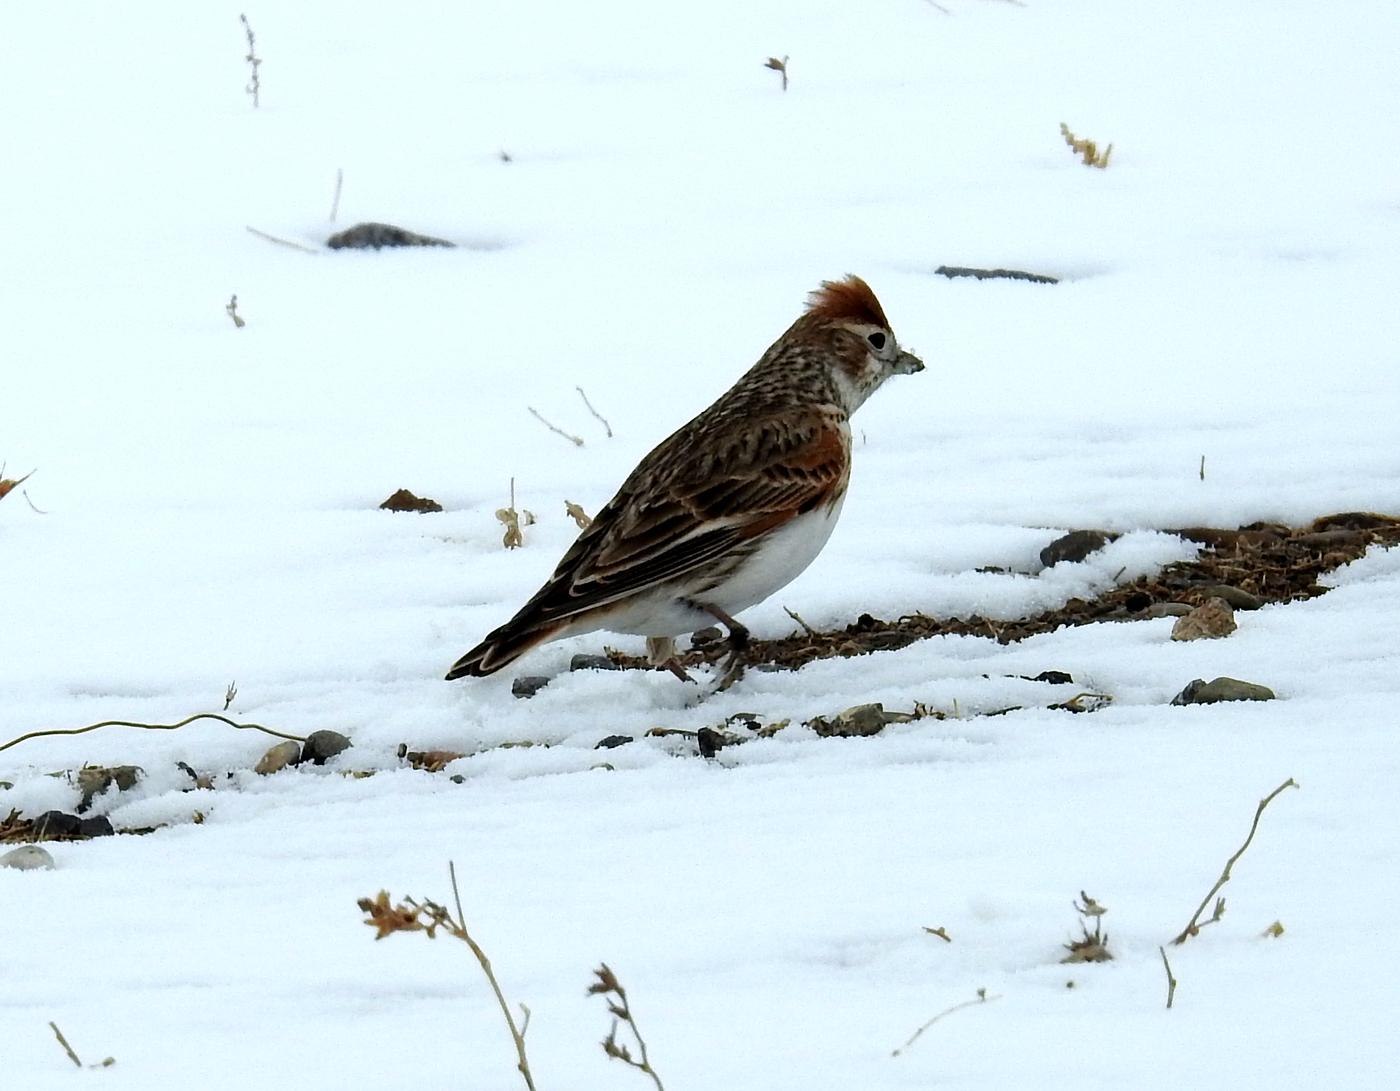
column 730, row 507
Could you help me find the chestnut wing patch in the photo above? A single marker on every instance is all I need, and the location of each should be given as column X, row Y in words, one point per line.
column 708, row 508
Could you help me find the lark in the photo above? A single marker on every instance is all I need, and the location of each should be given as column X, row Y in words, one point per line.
column 729, row 508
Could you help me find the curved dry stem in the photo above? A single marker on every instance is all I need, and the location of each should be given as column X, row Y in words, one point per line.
column 151, row 727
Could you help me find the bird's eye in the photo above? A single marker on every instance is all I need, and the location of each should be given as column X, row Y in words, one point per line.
column 877, row 339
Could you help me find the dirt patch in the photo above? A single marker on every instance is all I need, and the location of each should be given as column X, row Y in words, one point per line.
column 1267, row 562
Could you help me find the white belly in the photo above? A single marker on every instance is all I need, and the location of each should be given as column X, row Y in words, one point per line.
column 781, row 558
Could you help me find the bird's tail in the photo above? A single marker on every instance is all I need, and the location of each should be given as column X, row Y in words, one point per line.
column 503, row 647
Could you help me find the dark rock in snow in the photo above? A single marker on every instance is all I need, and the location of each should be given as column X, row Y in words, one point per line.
column 321, row 745
column 1074, row 546
column 613, row 741
column 527, row 685
column 375, row 236
column 403, row 500
column 1201, row 692
column 591, row 663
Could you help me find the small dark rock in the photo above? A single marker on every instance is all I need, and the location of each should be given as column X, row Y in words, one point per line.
column 527, row 685
column 374, row 236
column 403, row 500
column 1167, row 609
column 52, row 825
column 1074, row 546
column 321, row 745
column 703, row 637
column 613, row 741
column 591, row 663
column 1237, row 597
column 1201, row 692
column 1052, row 678
column 1138, row 601
column 711, row 741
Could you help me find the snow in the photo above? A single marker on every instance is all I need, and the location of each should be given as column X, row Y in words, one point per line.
column 210, row 495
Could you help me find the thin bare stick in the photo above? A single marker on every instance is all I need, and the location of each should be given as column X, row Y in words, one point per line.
column 600, row 418
column 281, row 242
column 231, row 309
column 254, row 62
column 982, row 998
column 64, row 1043
column 609, row 986
column 32, row 507
column 577, row 441
column 806, row 628
column 461, row 932
column 150, row 727
column 335, row 201
column 229, row 694
column 1171, row 981
column 1193, row 927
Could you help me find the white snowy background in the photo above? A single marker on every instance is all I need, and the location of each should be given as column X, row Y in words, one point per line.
column 1228, row 290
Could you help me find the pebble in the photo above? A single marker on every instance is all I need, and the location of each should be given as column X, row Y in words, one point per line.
column 321, row 745
column 1074, row 546
column 27, row 858
column 612, row 742
column 52, row 824
column 277, row 758
column 591, row 663
column 1209, row 621
column 1167, row 609
column 527, row 685
column 1237, row 597
column 1201, row 692
column 858, row 720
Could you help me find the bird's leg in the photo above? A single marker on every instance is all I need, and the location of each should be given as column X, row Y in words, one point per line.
column 661, row 654
column 738, row 643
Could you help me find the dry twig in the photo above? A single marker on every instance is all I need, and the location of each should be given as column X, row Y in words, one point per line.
column 428, row 916
column 106, row 1062
column 609, row 986
column 1171, row 981
column 598, row 416
column 514, row 537
column 1192, row 928
column 982, row 998
column 254, row 62
column 230, row 694
column 577, row 441
column 779, row 66
column 805, row 627
column 231, row 308
column 577, row 514
column 281, row 242
column 335, row 201
column 150, row 727
column 940, row 932
column 1087, row 150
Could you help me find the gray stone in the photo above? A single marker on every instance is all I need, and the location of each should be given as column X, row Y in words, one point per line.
column 612, row 742
column 321, row 745
column 1208, row 621
column 1201, row 692
column 373, row 236
column 591, row 663
column 278, row 758
column 1074, row 546
column 27, row 858
column 1167, row 609
column 858, row 720
column 1237, row 597
column 527, row 685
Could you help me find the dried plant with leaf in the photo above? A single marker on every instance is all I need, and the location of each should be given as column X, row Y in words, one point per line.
column 577, row 514
column 387, row 918
column 1090, row 946
column 7, row 485
column 514, row 520
column 779, row 66
column 607, row 985
column 1087, row 150
column 1195, row 924
column 254, row 86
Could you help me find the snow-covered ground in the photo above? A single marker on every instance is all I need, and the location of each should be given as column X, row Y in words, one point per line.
column 1228, row 291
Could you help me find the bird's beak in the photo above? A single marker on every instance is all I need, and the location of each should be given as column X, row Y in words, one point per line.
column 907, row 364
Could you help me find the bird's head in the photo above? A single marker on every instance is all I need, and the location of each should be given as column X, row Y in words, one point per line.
column 865, row 349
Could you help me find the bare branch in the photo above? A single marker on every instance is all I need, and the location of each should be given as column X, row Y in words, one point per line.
column 1171, row 981
column 281, row 242
column 335, row 201
column 598, row 416
column 1192, row 928
column 577, row 441
column 150, row 727
column 981, row 998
